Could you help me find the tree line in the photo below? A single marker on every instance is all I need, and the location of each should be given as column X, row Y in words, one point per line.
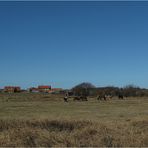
column 88, row 89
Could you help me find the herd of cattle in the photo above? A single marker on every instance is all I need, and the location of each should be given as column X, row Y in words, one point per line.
column 85, row 98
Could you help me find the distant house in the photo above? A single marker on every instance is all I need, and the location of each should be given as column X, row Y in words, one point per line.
column 55, row 90
column 12, row 89
column 33, row 89
column 44, row 88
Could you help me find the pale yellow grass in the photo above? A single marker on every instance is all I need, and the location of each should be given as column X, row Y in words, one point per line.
column 45, row 120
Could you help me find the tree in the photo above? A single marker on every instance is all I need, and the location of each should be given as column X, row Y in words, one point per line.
column 83, row 89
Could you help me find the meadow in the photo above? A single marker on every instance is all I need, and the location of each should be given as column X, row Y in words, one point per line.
column 32, row 119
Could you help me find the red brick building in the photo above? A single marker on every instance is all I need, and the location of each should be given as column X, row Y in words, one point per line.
column 12, row 89
column 33, row 89
column 44, row 88
column 55, row 90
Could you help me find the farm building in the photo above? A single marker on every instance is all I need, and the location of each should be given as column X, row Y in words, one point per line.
column 33, row 89
column 55, row 90
column 44, row 88
column 12, row 89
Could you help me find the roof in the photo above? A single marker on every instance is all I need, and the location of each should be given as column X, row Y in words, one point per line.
column 8, row 87
column 44, row 87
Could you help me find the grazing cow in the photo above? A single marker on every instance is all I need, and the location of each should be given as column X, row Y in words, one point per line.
column 120, row 96
column 65, row 99
column 83, row 98
column 80, row 98
column 101, row 97
column 108, row 97
column 104, row 97
column 76, row 98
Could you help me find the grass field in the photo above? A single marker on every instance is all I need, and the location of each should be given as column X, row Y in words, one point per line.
column 46, row 120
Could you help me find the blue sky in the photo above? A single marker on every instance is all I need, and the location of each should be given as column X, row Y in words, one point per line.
column 66, row 43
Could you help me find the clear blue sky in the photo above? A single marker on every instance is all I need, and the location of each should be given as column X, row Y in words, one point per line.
column 66, row 43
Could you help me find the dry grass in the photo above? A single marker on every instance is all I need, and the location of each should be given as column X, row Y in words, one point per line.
column 72, row 133
column 45, row 120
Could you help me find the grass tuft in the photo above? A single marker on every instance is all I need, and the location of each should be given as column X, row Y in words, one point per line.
column 68, row 133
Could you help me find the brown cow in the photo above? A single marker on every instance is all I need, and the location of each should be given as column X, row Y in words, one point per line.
column 80, row 98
